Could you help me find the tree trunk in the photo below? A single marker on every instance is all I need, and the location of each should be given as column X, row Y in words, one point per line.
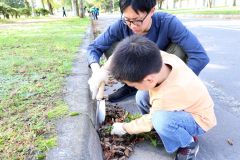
column 180, row 3
column 110, row 6
column 160, row 4
column 209, row 3
column 174, row 3
column 43, row 4
column 204, row 3
column 26, row 4
column 50, row 8
column 234, row 3
column 75, row 7
column 33, row 7
column 82, row 11
column 113, row 6
column 213, row 3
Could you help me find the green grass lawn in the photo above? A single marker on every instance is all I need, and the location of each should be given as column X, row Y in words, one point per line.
column 34, row 61
column 207, row 11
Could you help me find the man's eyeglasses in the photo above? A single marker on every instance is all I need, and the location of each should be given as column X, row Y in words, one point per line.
column 135, row 22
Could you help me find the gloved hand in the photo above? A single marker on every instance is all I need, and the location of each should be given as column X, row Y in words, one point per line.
column 99, row 75
column 95, row 67
column 118, row 129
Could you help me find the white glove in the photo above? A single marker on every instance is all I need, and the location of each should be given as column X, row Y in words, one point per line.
column 99, row 75
column 95, row 67
column 118, row 129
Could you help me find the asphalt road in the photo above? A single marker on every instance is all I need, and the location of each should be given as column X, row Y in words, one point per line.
column 221, row 39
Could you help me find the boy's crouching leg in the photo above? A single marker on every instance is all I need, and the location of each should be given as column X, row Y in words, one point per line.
column 142, row 101
column 175, row 128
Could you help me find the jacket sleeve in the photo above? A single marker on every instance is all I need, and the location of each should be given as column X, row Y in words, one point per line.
column 179, row 34
column 104, row 41
column 140, row 125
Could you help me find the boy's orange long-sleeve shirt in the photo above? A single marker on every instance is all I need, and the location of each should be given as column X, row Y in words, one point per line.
column 182, row 90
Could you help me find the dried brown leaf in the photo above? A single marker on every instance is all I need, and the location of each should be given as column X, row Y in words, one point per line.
column 230, row 142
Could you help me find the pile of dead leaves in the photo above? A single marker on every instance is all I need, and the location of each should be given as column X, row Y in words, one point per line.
column 116, row 147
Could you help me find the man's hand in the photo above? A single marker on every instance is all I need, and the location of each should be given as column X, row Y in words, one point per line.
column 99, row 75
column 118, row 129
column 95, row 67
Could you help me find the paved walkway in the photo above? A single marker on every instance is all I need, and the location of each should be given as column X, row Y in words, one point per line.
column 25, row 22
column 214, row 145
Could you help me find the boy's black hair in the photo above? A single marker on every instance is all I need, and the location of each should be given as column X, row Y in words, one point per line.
column 134, row 58
column 137, row 5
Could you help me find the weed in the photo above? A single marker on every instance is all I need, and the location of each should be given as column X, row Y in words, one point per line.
column 74, row 113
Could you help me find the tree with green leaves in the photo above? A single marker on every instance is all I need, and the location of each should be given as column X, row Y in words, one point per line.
column 14, row 3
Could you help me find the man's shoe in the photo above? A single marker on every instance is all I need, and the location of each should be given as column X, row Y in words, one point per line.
column 122, row 93
column 189, row 152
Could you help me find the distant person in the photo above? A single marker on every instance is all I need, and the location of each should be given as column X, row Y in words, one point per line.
column 179, row 106
column 64, row 12
column 94, row 13
column 166, row 30
column 97, row 11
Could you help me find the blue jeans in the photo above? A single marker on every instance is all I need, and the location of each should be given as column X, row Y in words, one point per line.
column 175, row 128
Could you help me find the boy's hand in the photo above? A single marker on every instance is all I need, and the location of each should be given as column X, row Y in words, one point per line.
column 118, row 129
column 99, row 75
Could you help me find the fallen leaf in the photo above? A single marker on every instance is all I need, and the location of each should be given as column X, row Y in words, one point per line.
column 126, row 152
column 39, row 85
column 230, row 142
column 13, row 93
column 21, row 71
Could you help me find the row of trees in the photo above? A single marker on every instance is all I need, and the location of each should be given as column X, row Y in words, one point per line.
column 77, row 6
column 7, row 10
column 29, row 7
column 113, row 5
column 205, row 3
column 17, row 8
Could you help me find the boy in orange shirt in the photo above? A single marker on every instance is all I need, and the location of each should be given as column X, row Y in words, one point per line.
column 178, row 105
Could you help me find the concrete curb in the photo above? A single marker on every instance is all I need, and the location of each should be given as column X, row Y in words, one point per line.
column 77, row 137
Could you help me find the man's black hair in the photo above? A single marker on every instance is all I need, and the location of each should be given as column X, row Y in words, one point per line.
column 137, row 5
column 134, row 58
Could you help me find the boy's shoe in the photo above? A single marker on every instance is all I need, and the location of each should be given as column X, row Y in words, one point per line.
column 189, row 152
column 122, row 93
